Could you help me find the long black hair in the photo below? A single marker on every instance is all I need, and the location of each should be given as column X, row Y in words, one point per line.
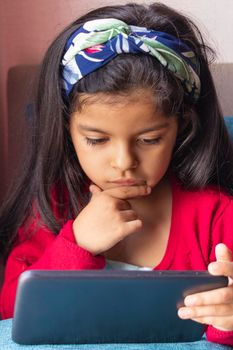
column 203, row 153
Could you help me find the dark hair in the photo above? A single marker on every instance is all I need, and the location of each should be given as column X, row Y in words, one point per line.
column 203, row 153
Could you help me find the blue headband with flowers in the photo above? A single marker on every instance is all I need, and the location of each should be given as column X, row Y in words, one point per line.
column 99, row 41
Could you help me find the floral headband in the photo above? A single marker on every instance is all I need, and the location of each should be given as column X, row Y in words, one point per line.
column 99, row 41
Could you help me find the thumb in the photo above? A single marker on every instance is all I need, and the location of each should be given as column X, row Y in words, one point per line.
column 224, row 256
column 94, row 189
column 223, row 253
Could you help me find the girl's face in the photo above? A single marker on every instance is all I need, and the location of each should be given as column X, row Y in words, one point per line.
column 124, row 143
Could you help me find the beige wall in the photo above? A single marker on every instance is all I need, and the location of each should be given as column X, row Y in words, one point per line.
column 215, row 19
column 28, row 26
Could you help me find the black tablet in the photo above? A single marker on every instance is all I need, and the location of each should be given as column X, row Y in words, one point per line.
column 103, row 306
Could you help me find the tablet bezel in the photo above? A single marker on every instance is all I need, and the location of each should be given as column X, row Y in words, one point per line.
column 35, row 286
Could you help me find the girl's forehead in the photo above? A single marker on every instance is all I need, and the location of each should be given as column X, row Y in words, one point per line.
column 115, row 100
column 137, row 102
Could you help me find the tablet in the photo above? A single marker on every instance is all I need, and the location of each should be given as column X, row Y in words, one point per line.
column 103, row 306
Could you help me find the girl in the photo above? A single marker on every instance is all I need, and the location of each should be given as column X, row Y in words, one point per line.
column 130, row 163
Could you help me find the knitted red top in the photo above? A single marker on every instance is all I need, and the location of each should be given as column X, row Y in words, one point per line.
column 200, row 220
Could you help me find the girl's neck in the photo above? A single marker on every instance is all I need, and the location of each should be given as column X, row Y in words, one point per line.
column 147, row 247
column 154, row 207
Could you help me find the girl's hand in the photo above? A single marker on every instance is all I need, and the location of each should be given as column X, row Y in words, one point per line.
column 214, row 307
column 108, row 218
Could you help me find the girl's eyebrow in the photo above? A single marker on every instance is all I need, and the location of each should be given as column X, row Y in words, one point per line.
column 152, row 128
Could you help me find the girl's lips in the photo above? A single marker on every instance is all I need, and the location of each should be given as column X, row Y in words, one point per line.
column 129, row 182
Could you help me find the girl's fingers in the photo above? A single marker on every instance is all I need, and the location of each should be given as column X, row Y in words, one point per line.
column 223, row 253
column 122, row 192
column 216, row 296
column 222, row 310
column 129, row 215
column 219, row 322
column 218, row 268
column 128, row 192
column 219, row 316
column 122, row 205
column 222, row 323
column 119, row 204
column 224, row 264
column 131, row 227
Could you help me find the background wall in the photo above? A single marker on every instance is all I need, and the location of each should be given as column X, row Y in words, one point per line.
column 26, row 29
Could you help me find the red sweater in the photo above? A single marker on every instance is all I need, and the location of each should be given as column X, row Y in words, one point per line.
column 200, row 220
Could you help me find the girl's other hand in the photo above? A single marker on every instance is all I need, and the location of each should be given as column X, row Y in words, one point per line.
column 108, row 218
column 214, row 307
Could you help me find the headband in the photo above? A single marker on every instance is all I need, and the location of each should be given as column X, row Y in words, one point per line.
column 99, row 41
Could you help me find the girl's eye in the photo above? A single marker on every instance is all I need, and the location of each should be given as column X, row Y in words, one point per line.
column 151, row 141
column 94, row 142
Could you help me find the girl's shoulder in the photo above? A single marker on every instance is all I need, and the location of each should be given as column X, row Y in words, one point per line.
column 210, row 198
column 58, row 201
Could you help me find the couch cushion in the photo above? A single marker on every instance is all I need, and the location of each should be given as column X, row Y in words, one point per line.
column 229, row 124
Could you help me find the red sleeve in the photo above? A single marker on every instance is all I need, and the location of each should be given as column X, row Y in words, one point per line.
column 220, row 337
column 42, row 250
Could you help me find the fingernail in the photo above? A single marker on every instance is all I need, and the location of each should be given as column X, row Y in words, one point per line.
column 184, row 313
column 213, row 267
column 190, row 300
column 148, row 189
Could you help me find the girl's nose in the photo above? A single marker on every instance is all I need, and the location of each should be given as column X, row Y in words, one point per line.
column 124, row 158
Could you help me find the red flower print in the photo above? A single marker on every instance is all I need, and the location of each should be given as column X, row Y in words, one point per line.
column 93, row 49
